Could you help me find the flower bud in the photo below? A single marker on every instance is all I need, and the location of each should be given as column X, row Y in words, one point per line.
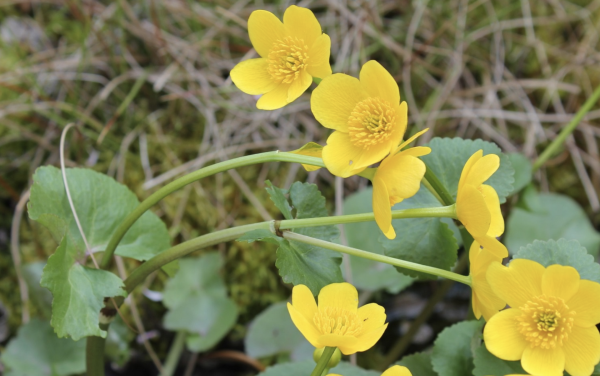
column 333, row 361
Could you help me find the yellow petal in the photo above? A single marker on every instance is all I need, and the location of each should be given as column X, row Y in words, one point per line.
column 372, row 316
column 412, row 138
column 302, row 23
column 465, row 172
column 369, row 339
column 402, row 174
column 400, row 127
column 274, row 99
column 560, row 281
column 518, row 283
column 371, row 156
column 472, row 211
column 502, row 337
column 493, row 245
column 492, row 202
column 397, row 371
column 264, row 29
column 304, row 302
column 307, row 328
column 538, row 361
column 586, row 303
column 482, row 169
column 378, row 82
column 485, row 302
column 299, row 86
column 251, row 77
column 382, row 208
column 339, row 295
column 311, row 149
column 346, row 344
column 334, row 99
column 318, row 61
column 417, row 151
column 340, row 155
column 582, row 351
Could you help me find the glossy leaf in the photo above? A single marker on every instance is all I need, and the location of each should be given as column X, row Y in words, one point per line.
column 487, row 364
column 523, row 171
column 452, row 352
column 419, row 364
column 306, row 367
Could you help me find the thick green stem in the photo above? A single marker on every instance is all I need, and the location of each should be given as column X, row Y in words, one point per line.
column 274, row 156
column 323, row 361
column 437, row 185
column 174, row 354
column 562, row 136
column 377, row 257
column 94, row 354
column 432, row 190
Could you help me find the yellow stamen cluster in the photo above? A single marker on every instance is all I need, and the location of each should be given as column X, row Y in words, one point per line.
column 546, row 321
column 333, row 320
column 287, row 59
column 371, row 122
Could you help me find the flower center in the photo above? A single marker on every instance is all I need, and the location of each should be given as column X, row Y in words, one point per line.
column 331, row 320
column 546, row 321
column 371, row 122
column 287, row 59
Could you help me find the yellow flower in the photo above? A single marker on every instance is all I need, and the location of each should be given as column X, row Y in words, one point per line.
column 397, row 177
column 477, row 204
column 366, row 114
column 551, row 325
column 291, row 54
column 337, row 321
column 485, row 301
column 392, row 371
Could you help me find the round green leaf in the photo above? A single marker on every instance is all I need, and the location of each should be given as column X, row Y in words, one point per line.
column 418, row 364
column 452, row 352
column 523, row 171
column 306, row 367
column 487, row 364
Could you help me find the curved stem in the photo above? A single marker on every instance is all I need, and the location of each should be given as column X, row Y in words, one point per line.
column 174, row 354
column 323, row 361
column 562, row 136
column 274, row 156
column 94, row 354
column 437, row 185
column 377, row 257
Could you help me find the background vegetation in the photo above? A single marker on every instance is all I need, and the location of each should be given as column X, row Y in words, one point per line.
column 148, row 81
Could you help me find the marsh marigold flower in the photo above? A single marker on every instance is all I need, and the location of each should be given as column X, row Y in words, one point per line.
column 337, row 321
column 397, row 177
column 291, row 54
column 551, row 325
column 392, row 371
column 366, row 114
column 485, row 301
column 477, row 204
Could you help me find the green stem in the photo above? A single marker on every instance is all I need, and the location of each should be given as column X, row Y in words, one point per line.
column 94, row 354
column 437, row 185
column 430, row 188
column 377, row 257
column 185, row 248
column 274, row 156
column 562, row 136
column 323, row 361
column 174, row 354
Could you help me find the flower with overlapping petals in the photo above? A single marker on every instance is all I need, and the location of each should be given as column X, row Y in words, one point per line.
column 337, row 321
column 366, row 114
column 551, row 325
column 392, row 371
column 485, row 301
column 291, row 54
column 477, row 204
column 397, row 177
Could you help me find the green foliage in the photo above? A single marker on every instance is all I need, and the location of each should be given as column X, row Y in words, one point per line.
column 278, row 197
column 300, row 263
column 306, row 367
column 487, row 364
column 272, row 332
column 198, row 303
column 117, row 342
column 449, row 155
column 563, row 252
column 427, row 241
column 523, row 171
column 78, row 292
column 36, row 351
column 366, row 274
column 101, row 205
column 561, row 217
column 453, row 350
column 419, row 364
